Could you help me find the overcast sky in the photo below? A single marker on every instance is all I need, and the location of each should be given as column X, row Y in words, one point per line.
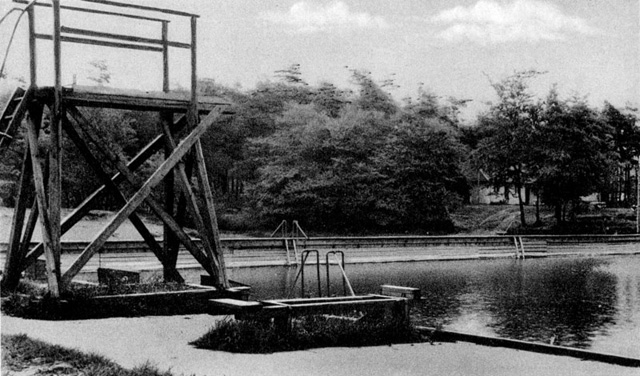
column 453, row 48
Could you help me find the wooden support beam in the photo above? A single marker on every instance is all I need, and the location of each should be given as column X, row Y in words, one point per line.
column 88, row 134
column 170, row 271
column 130, row 38
column 41, row 198
column 206, row 232
column 171, row 242
column 95, row 11
column 98, row 42
column 88, row 203
column 14, row 256
column 193, row 107
column 142, row 7
column 217, row 255
column 140, row 196
column 33, row 70
column 55, row 159
column 28, row 233
column 181, row 211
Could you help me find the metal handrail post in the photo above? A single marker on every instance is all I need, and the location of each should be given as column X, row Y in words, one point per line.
column 345, row 281
column 304, row 256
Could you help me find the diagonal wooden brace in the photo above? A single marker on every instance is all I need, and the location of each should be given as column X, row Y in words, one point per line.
column 157, row 250
column 41, row 198
column 139, row 197
column 15, row 256
column 206, row 232
column 88, row 133
column 217, row 255
column 88, row 203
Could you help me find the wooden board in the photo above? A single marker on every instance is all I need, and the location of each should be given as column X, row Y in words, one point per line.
column 136, row 99
column 235, row 304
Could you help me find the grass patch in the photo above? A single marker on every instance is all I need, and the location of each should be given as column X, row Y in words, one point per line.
column 89, row 291
column 305, row 333
column 20, row 353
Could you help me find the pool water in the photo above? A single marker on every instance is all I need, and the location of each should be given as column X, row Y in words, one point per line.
column 591, row 303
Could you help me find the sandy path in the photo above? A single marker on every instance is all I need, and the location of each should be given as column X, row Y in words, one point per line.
column 84, row 230
column 164, row 342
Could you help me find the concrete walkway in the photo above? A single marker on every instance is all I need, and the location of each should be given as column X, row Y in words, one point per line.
column 164, row 342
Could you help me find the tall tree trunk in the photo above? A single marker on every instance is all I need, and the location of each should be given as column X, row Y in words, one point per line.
column 521, row 204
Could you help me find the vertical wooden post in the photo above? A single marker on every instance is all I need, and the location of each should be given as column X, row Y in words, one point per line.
column 33, row 75
column 33, row 129
column 211, row 222
column 165, row 56
column 193, row 115
column 55, row 172
column 638, row 197
column 171, row 244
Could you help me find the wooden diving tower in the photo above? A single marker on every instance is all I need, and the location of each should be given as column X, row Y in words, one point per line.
column 42, row 169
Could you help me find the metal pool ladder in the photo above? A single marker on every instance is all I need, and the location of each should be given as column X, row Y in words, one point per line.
column 346, row 285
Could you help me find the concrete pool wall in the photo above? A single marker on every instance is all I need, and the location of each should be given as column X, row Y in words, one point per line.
column 252, row 252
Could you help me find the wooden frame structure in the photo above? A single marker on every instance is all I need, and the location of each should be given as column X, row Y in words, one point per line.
column 42, row 168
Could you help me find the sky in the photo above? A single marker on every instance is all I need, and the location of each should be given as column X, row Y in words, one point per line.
column 448, row 47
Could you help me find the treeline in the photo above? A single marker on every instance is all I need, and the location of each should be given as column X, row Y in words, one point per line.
column 356, row 160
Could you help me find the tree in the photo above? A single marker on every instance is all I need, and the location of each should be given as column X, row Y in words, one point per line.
column 329, row 99
column 423, row 169
column 510, row 128
column 360, row 171
column 575, row 152
column 625, row 136
column 370, row 96
column 319, row 170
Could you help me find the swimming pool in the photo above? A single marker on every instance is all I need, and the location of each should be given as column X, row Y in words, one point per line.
column 591, row 303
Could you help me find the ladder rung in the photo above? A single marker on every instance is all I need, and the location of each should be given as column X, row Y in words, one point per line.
column 8, row 117
column 17, row 99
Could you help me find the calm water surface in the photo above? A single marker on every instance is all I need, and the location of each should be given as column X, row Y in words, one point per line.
column 591, row 303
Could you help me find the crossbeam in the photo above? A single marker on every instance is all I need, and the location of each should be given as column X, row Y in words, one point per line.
column 157, row 250
column 129, row 38
column 139, row 197
column 132, row 180
column 76, row 215
column 192, row 205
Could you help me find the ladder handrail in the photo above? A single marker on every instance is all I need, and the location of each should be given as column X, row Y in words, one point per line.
column 345, row 279
column 296, row 228
column 282, row 226
column 304, row 255
column 295, row 232
column 519, row 247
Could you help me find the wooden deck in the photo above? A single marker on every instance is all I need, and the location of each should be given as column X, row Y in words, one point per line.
column 100, row 96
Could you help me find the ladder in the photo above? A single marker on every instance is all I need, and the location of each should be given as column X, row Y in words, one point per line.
column 519, row 247
column 339, row 261
column 12, row 115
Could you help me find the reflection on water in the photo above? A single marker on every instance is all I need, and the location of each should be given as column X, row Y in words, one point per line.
column 580, row 302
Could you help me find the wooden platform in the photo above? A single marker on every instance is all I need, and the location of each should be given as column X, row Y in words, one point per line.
column 100, row 96
column 395, row 307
